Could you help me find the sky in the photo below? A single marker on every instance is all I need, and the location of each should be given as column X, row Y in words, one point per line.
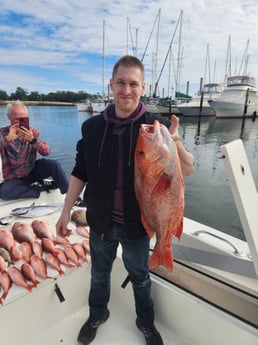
column 72, row 45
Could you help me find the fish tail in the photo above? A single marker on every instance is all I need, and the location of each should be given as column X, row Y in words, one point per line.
column 36, row 283
column 61, row 272
column 164, row 258
column 30, row 287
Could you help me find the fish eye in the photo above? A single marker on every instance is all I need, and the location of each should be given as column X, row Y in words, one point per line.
column 140, row 153
column 150, row 129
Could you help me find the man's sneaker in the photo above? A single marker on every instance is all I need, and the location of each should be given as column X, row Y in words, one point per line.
column 48, row 184
column 89, row 330
column 79, row 202
column 151, row 334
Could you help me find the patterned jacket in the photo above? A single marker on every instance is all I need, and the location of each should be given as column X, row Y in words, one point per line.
column 19, row 156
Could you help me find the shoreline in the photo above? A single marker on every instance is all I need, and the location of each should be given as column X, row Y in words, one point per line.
column 40, row 103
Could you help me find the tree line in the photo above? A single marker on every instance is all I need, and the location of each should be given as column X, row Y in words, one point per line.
column 58, row 96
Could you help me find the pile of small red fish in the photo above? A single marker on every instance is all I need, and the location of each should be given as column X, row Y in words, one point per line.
column 29, row 249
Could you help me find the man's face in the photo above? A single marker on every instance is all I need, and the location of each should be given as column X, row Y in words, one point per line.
column 128, row 86
column 17, row 113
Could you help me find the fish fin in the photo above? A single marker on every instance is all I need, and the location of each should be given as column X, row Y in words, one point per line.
column 148, row 229
column 179, row 229
column 163, row 184
column 164, row 258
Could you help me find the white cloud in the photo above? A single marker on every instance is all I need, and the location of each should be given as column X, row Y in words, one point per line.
column 64, row 35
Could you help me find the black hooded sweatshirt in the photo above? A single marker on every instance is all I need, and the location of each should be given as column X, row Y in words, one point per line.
column 105, row 162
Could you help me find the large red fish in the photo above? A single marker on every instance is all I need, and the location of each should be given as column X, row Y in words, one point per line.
column 29, row 273
column 18, row 278
column 159, row 189
column 42, row 229
column 6, row 239
column 39, row 266
column 23, row 232
column 5, row 284
column 7, row 242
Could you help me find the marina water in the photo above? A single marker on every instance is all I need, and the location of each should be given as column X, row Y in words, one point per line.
column 208, row 198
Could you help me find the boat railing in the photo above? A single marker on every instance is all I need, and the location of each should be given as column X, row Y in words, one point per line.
column 236, row 250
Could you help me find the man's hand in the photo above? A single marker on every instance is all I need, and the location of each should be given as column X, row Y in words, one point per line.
column 25, row 134
column 13, row 132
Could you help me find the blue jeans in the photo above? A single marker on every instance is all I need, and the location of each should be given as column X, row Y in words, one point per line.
column 22, row 188
column 135, row 256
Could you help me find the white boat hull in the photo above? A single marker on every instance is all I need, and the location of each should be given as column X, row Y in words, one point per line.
column 98, row 108
column 84, row 107
column 233, row 110
column 192, row 107
column 195, row 110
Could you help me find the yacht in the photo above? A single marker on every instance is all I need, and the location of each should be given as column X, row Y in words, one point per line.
column 239, row 98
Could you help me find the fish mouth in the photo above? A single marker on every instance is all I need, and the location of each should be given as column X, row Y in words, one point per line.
column 147, row 130
column 150, row 130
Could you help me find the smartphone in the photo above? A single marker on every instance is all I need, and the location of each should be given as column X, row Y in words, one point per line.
column 24, row 122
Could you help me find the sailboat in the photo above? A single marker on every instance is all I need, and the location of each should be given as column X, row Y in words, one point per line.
column 85, row 107
column 209, row 298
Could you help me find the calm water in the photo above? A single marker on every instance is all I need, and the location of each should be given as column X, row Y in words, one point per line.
column 208, row 196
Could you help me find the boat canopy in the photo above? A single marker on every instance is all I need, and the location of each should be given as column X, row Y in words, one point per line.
column 241, row 80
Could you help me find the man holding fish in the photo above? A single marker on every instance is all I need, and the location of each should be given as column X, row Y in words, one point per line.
column 19, row 146
column 107, row 163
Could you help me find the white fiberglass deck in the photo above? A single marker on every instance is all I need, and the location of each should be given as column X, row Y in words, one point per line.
column 39, row 318
column 182, row 316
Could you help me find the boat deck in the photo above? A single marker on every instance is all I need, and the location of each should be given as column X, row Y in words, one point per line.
column 209, row 298
column 182, row 317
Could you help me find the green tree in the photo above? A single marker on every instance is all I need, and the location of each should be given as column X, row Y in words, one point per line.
column 3, row 95
column 20, row 94
column 34, row 96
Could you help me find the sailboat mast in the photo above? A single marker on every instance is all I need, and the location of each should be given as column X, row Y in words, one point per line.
column 228, row 61
column 179, row 51
column 154, row 77
column 103, row 61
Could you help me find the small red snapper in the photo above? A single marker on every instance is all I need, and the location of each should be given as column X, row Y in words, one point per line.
column 159, row 188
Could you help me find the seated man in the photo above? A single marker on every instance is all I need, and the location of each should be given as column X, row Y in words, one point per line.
column 19, row 147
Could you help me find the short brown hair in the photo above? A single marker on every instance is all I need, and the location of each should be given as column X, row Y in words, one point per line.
column 128, row 61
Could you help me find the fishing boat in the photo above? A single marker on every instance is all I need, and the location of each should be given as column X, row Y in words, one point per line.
column 199, row 105
column 85, row 107
column 210, row 297
column 99, row 106
column 238, row 98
